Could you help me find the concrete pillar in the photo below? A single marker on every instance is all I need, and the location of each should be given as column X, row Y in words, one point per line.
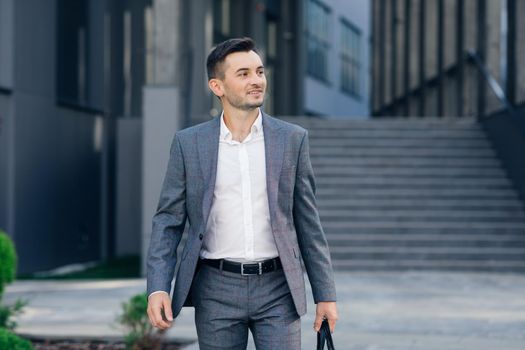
column 167, row 40
column 451, row 33
column 470, row 90
column 6, row 43
column 520, row 52
column 376, row 58
column 400, row 54
column 494, row 50
column 162, row 111
column 414, row 39
column 7, row 177
column 200, row 41
column 388, row 8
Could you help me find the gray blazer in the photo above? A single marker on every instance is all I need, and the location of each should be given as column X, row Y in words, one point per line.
column 187, row 193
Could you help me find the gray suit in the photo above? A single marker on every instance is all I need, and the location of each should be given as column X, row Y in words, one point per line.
column 187, row 193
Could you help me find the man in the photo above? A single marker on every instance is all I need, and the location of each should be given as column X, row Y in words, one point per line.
column 245, row 183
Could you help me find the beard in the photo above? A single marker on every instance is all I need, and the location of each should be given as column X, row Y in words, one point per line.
column 243, row 105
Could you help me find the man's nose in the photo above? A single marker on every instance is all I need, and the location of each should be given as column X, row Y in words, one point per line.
column 257, row 79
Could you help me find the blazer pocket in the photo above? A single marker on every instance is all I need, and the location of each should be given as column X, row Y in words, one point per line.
column 288, row 169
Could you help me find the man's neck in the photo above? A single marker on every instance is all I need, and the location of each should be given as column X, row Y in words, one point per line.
column 239, row 122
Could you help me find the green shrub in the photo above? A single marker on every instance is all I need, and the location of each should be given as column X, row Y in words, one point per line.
column 7, row 275
column 7, row 312
column 141, row 334
column 12, row 341
column 7, row 261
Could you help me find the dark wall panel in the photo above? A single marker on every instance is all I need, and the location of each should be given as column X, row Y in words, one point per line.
column 508, row 138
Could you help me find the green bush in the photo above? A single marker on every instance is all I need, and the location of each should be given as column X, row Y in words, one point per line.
column 7, row 261
column 141, row 334
column 7, row 275
column 7, row 312
column 12, row 341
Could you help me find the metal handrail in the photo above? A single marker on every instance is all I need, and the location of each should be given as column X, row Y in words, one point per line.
column 473, row 56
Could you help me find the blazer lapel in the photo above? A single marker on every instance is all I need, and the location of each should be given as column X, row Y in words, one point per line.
column 274, row 142
column 208, row 146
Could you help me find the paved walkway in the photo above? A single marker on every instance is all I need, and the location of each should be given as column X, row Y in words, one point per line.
column 378, row 311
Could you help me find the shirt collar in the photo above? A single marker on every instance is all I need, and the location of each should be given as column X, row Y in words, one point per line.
column 226, row 134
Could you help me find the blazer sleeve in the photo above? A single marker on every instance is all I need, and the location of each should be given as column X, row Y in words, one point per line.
column 168, row 223
column 311, row 238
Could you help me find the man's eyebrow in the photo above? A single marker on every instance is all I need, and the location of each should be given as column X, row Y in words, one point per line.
column 243, row 69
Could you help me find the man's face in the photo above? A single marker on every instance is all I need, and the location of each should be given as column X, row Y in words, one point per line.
column 243, row 84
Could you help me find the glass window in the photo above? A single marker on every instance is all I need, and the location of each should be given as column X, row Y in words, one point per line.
column 78, row 81
column 350, row 58
column 318, row 44
column 221, row 20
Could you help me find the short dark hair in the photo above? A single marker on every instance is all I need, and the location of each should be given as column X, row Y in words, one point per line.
column 219, row 53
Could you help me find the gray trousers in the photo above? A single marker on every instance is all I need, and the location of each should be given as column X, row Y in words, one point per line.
column 227, row 305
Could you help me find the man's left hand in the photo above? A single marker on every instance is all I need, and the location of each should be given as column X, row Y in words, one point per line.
column 328, row 310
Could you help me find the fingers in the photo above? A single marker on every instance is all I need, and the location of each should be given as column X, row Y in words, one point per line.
column 331, row 323
column 328, row 311
column 318, row 321
column 166, row 305
column 157, row 305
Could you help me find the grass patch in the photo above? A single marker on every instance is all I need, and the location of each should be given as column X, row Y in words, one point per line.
column 122, row 267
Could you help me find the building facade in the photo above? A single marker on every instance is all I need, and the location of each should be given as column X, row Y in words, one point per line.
column 91, row 92
column 428, row 56
column 337, row 47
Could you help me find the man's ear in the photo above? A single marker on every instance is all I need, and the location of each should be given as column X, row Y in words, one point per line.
column 215, row 86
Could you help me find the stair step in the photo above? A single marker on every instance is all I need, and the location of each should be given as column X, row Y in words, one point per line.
column 371, row 125
column 447, row 134
column 399, row 225
column 478, row 143
column 414, row 182
column 415, row 231
column 408, row 152
column 420, row 203
column 431, row 256
column 431, row 219
column 423, row 214
column 423, row 244
column 327, row 121
column 405, row 172
column 351, row 239
column 459, row 265
column 427, row 250
column 406, row 161
column 423, row 193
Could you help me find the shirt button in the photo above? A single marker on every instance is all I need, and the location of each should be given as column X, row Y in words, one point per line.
column 201, row 236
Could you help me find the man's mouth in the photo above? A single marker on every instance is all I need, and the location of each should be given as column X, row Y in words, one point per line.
column 255, row 92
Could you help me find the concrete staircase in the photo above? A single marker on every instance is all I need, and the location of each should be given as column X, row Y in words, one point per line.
column 414, row 194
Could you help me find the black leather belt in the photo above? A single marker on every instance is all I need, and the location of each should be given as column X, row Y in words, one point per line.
column 245, row 269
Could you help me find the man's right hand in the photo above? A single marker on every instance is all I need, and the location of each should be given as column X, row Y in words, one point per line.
column 159, row 304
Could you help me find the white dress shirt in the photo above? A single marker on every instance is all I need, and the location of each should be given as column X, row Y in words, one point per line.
column 239, row 223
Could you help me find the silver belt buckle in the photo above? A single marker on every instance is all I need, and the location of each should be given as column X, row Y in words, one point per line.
column 250, row 274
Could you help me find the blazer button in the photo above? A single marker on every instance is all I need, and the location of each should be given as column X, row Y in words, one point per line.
column 201, row 236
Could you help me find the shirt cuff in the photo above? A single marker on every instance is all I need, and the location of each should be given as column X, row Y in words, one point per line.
column 157, row 292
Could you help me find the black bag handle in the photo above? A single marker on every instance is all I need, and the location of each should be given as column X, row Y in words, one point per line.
column 324, row 336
